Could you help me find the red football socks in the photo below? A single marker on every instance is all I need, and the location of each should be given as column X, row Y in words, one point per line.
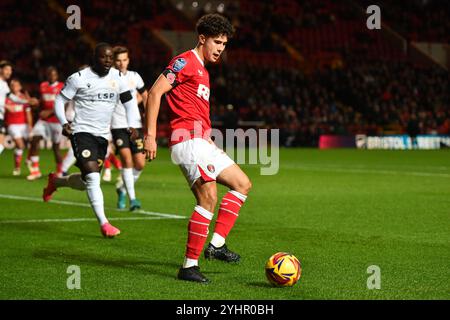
column 228, row 212
column 197, row 232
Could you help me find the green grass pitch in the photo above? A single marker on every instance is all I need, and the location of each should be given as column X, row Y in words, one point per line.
column 338, row 211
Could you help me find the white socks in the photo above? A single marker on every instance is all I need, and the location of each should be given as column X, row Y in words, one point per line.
column 73, row 181
column 128, row 180
column 92, row 186
column 2, row 147
column 189, row 263
column 95, row 196
column 217, row 240
column 122, row 185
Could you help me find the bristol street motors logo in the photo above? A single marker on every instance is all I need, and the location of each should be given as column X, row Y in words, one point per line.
column 211, row 168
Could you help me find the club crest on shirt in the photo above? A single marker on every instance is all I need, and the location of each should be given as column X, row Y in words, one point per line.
column 86, row 153
column 179, row 64
column 200, row 72
column 211, row 168
column 113, row 83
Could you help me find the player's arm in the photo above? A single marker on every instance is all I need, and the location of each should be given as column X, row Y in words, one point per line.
column 129, row 102
column 160, row 87
column 142, row 96
column 60, row 113
column 67, row 93
column 8, row 105
column 44, row 114
column 29, row 118
column 131, row 107
column 141, row 92
column 32, row 101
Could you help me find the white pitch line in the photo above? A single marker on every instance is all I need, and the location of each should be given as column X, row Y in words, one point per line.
column 74, row 220
column 78, row 204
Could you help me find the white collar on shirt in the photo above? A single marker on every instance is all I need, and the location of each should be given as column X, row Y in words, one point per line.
column 196, row 54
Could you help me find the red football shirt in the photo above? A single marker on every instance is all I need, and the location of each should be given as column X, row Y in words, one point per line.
column 189, row 98
column 48, row 95
column 20, row 108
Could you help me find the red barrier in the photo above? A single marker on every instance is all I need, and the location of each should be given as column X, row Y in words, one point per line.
column 330, row 141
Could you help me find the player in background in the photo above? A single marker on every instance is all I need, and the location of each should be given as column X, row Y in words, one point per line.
column 131, row 152
column 19, row 120
column 95, row 91
column 48, row 126
column 115, row 161
column 185, row 82
column 5, row 74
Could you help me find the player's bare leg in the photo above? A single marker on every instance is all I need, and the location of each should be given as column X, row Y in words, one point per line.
column 238, row 182
column 35, row 172
column 2, row 140
column 18, row 154
column 58, row 158
column 139, row 164
column 206, row 195
column 90, row 172
column 89, row 180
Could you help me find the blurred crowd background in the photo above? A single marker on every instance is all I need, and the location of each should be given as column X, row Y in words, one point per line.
column 306, row 67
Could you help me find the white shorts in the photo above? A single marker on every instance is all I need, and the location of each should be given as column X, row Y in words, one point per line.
column 47, row 130
column 200, row 158
column 17, row 131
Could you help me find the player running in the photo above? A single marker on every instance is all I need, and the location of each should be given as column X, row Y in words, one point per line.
column 5, row 74
column 95, row 91
column 185, row 82
column 19, row 121
column 48, row 126
column 131, row 152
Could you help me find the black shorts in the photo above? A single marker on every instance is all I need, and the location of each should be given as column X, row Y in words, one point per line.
column 87, row 147
column 2, row 127
column 121, row 139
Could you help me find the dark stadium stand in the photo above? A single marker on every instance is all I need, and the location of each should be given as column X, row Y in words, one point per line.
column 306, row 67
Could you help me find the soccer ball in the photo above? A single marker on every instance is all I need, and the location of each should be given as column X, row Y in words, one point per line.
column 283, row 269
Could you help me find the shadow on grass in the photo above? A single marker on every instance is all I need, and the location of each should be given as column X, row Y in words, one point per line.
column 164, row 269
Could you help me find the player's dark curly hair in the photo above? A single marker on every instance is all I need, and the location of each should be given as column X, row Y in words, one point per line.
column 213, row 25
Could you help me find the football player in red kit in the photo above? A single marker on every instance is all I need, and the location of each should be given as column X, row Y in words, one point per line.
column 19, row 121
column 185, row 82
column 47, row 126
